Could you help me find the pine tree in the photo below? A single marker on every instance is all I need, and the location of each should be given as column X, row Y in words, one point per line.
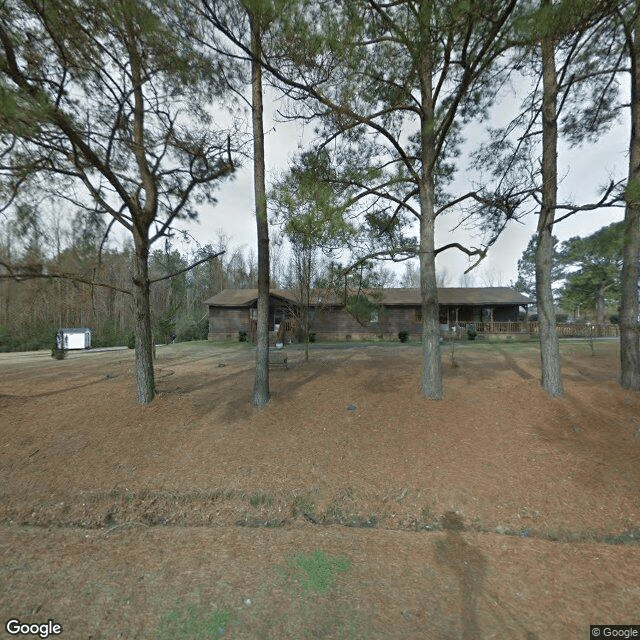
column 95, row 94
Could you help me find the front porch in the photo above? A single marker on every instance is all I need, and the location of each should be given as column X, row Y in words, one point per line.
column 531, row 328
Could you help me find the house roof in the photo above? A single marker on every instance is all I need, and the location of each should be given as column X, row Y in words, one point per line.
column 387, row 297
column 246, row 297
column 457, row 295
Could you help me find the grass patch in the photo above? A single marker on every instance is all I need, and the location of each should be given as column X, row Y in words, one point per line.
column 317, row 572
column 302, row 505
column 194, row 622
column 260, row 499
column 315, row 603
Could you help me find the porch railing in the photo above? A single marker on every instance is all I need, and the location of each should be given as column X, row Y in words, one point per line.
column 565, row 330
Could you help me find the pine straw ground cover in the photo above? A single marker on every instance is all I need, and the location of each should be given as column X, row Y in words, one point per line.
column 350, row 507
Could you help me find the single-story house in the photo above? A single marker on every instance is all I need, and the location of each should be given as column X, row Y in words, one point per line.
column 385, row 313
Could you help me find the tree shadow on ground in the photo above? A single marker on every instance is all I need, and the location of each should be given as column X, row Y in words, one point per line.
column 469, row 566
column 514, row 366
column 305, row 372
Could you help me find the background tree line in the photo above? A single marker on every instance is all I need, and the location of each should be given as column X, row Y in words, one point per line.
column 97, row 296
column 36, row 305
column 586, row 274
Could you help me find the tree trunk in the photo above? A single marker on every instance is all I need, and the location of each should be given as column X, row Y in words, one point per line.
column 145, row 382
column 307, row 311
column 549, row 346
column 261, row 384
column 431, row 363
column 629, row 336
column 601, row 307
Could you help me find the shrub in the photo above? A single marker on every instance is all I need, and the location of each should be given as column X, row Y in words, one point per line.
column 194, row 331
column 403, row 335
column 58, row 354
column 312, row 336
column 471, row 332
column 58, row 351
column 242, row 336
column 131, row 341
column 8, row 342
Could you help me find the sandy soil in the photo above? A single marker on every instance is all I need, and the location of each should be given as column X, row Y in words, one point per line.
column 495, row 513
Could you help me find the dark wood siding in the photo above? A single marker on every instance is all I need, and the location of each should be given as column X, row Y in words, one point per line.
column 395, row 319
column 335, row 323
column 226, row 322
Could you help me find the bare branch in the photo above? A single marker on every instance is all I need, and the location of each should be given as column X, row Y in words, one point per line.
column 397, row 254
column 482, row 253
column 191, row 266
column 616, row 201
column 20, row 273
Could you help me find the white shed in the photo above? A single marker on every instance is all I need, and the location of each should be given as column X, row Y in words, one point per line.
column 74, row 338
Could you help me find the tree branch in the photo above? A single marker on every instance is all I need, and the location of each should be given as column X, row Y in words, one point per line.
column 482, row 253
column 603, row 202
column 191, row 266
column 20, row 273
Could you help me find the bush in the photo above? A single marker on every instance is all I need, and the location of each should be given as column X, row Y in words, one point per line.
column 312, row 336
column 7, row 341
column 131, row 340
column 58, row 352
column 194, row 331
column 36, row 340
column 471, row 332
column 242, row 336
column 403, row 335
column 614, row 319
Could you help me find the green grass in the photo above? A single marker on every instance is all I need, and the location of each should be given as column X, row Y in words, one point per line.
column 318, row 571
column 193, row 622
column 301, row 504
column 301, row 599
column 260, row 499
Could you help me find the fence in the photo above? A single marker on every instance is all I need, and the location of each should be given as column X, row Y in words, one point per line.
column 566, row 330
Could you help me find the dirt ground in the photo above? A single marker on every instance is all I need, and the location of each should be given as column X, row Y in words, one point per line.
column 349, row 507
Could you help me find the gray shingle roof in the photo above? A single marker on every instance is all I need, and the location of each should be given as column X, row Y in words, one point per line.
column 246, row 297
column 388, row 297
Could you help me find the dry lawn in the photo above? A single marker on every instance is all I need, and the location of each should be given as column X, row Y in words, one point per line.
column 350, row 507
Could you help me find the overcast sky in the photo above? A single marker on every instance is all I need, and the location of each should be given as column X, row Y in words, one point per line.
column 582, row 172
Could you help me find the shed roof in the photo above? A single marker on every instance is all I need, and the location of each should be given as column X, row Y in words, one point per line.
column 387, row 297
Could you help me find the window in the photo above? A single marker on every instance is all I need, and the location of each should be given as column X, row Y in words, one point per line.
column 374, row 318
column 417, row 315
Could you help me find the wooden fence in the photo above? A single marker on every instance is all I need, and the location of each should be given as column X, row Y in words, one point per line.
column 565, row 330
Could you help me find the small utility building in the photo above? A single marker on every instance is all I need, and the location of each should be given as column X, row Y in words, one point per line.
column 79, row 338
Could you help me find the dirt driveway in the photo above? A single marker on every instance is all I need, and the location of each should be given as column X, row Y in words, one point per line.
column 350, row 507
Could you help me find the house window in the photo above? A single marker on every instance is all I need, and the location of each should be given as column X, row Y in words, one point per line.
column 417, row 315
column 374, row 318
